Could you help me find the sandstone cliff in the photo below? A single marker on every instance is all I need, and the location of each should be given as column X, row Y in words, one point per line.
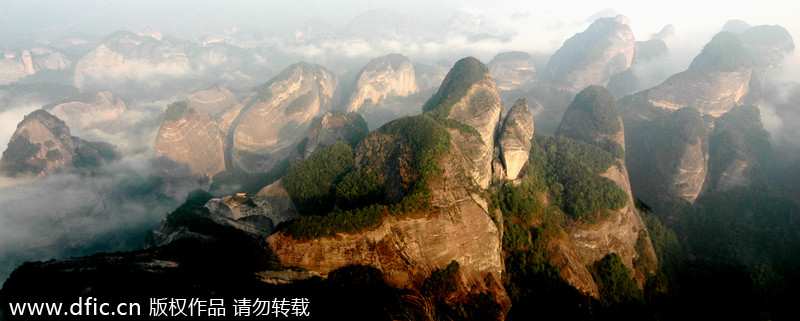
column 16, row 65
column 515, row 138
column 213, row 100
column 276, row 114
column 512, row 70
column 390, row 75
column 135, row 57
column 191, row 136
column 593, row 56
column 333, row 127
column 407, row 249
column 42, row 144
column 468, row 96
column 594, row 117
column 103, row 111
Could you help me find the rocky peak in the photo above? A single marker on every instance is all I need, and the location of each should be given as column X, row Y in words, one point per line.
column 42, row 144
column 102, row 110
column 512, row 70
column 515, row 138
column 383, row 76
column 213, row 100
column 277, row 113
column 735, row 26
column 593, row 56
column 594, row 117
column 468, row 100
column 647, row 50
column 767, row 45
column 682, row 158
column 333, row 127
column 666, row 33
column 192, row 137
column 717, row 79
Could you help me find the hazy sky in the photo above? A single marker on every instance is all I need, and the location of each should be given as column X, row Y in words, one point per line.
column 183, row 16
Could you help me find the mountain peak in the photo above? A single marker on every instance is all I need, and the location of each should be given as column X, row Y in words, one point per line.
column 463, row 75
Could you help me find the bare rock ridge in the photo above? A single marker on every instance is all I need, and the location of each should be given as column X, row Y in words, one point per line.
column 469, row 96
column 276, row 114
column 591, row 57
column 515, row 138
column 188, row 135
column 594, row 117
column 103, row 111
column 383, row 77
column 42, row 144
column 512, row 70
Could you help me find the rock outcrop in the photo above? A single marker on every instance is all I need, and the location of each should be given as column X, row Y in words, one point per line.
column 213, row 100
column 126, row 55
column 16, row 65
column 103, row 111
column 644, row 51
column 593, row 56
column 515, row 138
column 682, row 159
column 407, row 249
column 738, row 148
column 512, row 70
column 333, row 127
column 273, row 116
column 716, row 80
column 468, row 96
column 42, row 144
column 727, row 73
column 390, row 75
column 192, row 137
column 594, row 117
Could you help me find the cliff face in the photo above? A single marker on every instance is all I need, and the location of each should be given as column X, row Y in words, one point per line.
column 103, row 111
column 671, row 153
column 192, row 137
column 276, row 114
column 127, row 55
column 469, row 96
column 515, row 138
column 213, row 100
column 381, row 77
column 17, row 65
column 717, row 79
column 512, row 70
column 594, row 117
column 333, row 127
column 738, row 148
column 42, row 144
column 407, row 249
column 593, row 56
